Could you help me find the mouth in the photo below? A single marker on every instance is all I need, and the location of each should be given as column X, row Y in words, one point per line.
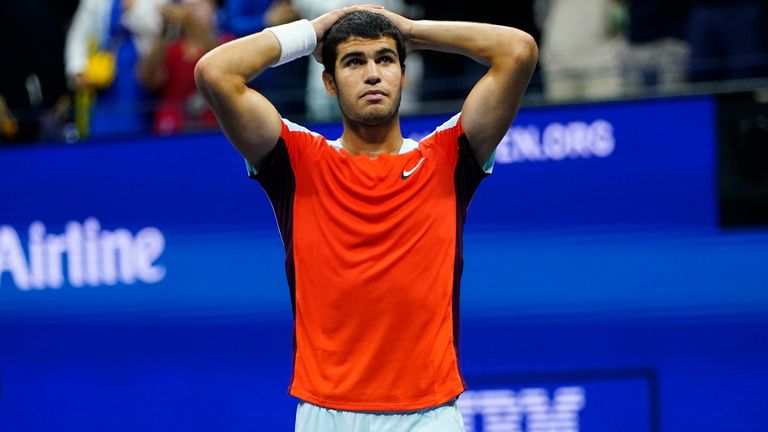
column 373, row 95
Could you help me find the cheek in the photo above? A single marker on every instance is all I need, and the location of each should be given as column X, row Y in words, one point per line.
column 343, row 85
column 394, row 76
column 342, row 93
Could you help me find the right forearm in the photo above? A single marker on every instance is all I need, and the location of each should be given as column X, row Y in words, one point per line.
column 241, row 59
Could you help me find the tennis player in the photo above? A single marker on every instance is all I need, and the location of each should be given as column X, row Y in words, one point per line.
column 371, row 222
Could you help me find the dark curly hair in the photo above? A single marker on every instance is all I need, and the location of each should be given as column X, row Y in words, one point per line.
column 362, row 24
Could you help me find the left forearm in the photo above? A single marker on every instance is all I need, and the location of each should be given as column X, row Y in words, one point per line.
column 488, row 44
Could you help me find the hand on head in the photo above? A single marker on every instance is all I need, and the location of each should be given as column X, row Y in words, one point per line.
column 402, row 23
column 326, row 21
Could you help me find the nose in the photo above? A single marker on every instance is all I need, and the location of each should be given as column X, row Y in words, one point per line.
column 372, row 73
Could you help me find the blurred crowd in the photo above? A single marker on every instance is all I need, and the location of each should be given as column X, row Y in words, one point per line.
column 74, row 70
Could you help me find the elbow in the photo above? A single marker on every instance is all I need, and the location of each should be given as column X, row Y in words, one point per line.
column 525, row 50
column 209, row 77
column 212, row 79
column 204, row 73
column 209, row 71
column 515, row 49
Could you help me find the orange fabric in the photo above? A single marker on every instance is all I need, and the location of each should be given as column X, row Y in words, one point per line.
column 374, row 257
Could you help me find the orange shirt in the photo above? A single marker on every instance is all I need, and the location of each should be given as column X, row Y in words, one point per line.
column 374, row 259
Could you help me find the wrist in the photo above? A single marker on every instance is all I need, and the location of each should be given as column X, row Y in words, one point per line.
column 415, row 36
column 297, row 39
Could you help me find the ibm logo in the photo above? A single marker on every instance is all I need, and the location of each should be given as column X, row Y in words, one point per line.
column 525, row 410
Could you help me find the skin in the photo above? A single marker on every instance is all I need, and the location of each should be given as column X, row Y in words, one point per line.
column 371, row 124
column 368, row 83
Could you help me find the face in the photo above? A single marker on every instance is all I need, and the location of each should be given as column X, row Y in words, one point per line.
column 202, row 12
column 368, row 80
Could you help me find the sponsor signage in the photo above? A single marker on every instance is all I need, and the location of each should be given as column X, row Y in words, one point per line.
column 562, row 401
column 174, row 225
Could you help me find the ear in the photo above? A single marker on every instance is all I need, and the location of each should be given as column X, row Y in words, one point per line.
column 329, row 83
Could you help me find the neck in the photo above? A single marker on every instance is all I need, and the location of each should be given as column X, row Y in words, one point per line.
column 372, row 141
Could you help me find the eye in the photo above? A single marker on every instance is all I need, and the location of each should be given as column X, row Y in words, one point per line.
column 354, row 62
column 386, row 60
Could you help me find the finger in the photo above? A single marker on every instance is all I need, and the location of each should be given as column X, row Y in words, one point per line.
column 370, row 8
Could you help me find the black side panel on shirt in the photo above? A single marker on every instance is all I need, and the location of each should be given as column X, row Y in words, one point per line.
column 467, row 177
column 277, row 178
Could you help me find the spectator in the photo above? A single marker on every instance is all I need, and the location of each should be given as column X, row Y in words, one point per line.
column 126, row 28
column 728, row 39
column 286, row 88
column 321, row 106
column 657, row 53
column 244, row 17
column 34, row 102
column 190, row 31
column 451, row 76
column 581, row 50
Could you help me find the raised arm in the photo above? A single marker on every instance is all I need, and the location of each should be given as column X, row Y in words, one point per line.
column 511, row 57
column 248, row 119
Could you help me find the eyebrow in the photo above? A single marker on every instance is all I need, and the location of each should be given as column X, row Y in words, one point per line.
column 355, row 54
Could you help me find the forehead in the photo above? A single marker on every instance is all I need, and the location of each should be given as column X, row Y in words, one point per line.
column 365, row 46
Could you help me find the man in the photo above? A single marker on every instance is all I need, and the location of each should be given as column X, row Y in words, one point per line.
column 371, row 222
column 167, row 70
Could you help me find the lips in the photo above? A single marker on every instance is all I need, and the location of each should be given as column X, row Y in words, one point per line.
column 373, row 94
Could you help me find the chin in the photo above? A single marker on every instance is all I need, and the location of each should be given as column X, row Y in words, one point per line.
column 378, row 114
column 376, row 118
column 371, row 115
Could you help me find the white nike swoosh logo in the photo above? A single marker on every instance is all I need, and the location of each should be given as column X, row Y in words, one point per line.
column 407, row 173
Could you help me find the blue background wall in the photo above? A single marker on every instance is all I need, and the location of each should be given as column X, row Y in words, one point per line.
column 594, row 267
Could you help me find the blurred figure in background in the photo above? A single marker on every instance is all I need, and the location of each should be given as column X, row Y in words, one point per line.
column 582, row 47
column 728, row 39
column 243, row 17
column 168, row 70
column 451, row 76
column 34, row 101
column 286, row 88
column 320, row 106
column 657, row 54
column 110, row 99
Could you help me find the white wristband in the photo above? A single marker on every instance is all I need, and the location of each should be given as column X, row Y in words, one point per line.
column 297, row 39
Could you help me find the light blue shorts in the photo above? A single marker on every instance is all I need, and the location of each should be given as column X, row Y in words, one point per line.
column 443, row 418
